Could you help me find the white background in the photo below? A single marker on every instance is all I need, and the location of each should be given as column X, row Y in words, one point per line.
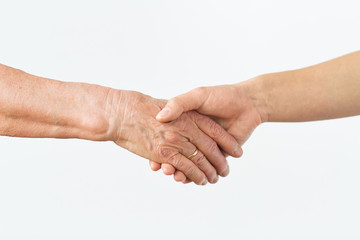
column 295, row 180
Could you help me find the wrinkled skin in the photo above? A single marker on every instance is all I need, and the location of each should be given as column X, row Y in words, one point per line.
column 228, row 105
column 132, row 125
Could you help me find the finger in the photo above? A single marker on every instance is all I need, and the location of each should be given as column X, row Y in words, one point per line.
column 200, row 160
column 188, row 101
column 187, row 181
column 154, row 165
column 227, row 171
column 190, row 170
column 226, row 141
column 224, row 153
column 179, row 176
column 167, row 169
column 210, row 149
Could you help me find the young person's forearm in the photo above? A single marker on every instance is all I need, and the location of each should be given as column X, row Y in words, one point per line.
column 324, row 91
column 32, row 106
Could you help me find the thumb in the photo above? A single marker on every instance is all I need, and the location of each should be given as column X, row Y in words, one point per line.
column 183, row 103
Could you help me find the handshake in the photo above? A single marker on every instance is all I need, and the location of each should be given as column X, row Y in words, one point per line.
column 189, row 136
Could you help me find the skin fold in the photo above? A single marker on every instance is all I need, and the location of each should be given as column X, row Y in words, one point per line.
column 37, row 107
column 324, row 91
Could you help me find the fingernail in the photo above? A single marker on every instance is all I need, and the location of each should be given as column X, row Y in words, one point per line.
column 215, row 179
column 204, row 182
column 165, row 111
column 238, row 151
column 225, row 172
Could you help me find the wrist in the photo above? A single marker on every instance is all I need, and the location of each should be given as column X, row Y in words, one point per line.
column 103, row 116
column 255, row 90
column 114, row 111
column 119, row 114
column 87, row 116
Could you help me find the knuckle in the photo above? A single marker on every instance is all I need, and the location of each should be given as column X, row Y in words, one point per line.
column 216, row 130
column 193, row 119
column 175, row 161
column 191, row 172
column 213, row 147
column 199, row 161
column 209, row 171
column 164, row 152
column 184, row 124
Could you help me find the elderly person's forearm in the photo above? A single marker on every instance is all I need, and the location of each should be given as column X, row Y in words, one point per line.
column 32, row 106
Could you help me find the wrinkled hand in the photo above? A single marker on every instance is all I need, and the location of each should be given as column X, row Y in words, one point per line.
column 132, row 125
column 228, row 105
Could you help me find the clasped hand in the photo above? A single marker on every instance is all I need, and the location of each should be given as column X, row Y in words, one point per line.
column 168, row 138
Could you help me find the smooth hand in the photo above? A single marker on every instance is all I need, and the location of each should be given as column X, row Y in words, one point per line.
column 228, row 105
column 132, row 125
